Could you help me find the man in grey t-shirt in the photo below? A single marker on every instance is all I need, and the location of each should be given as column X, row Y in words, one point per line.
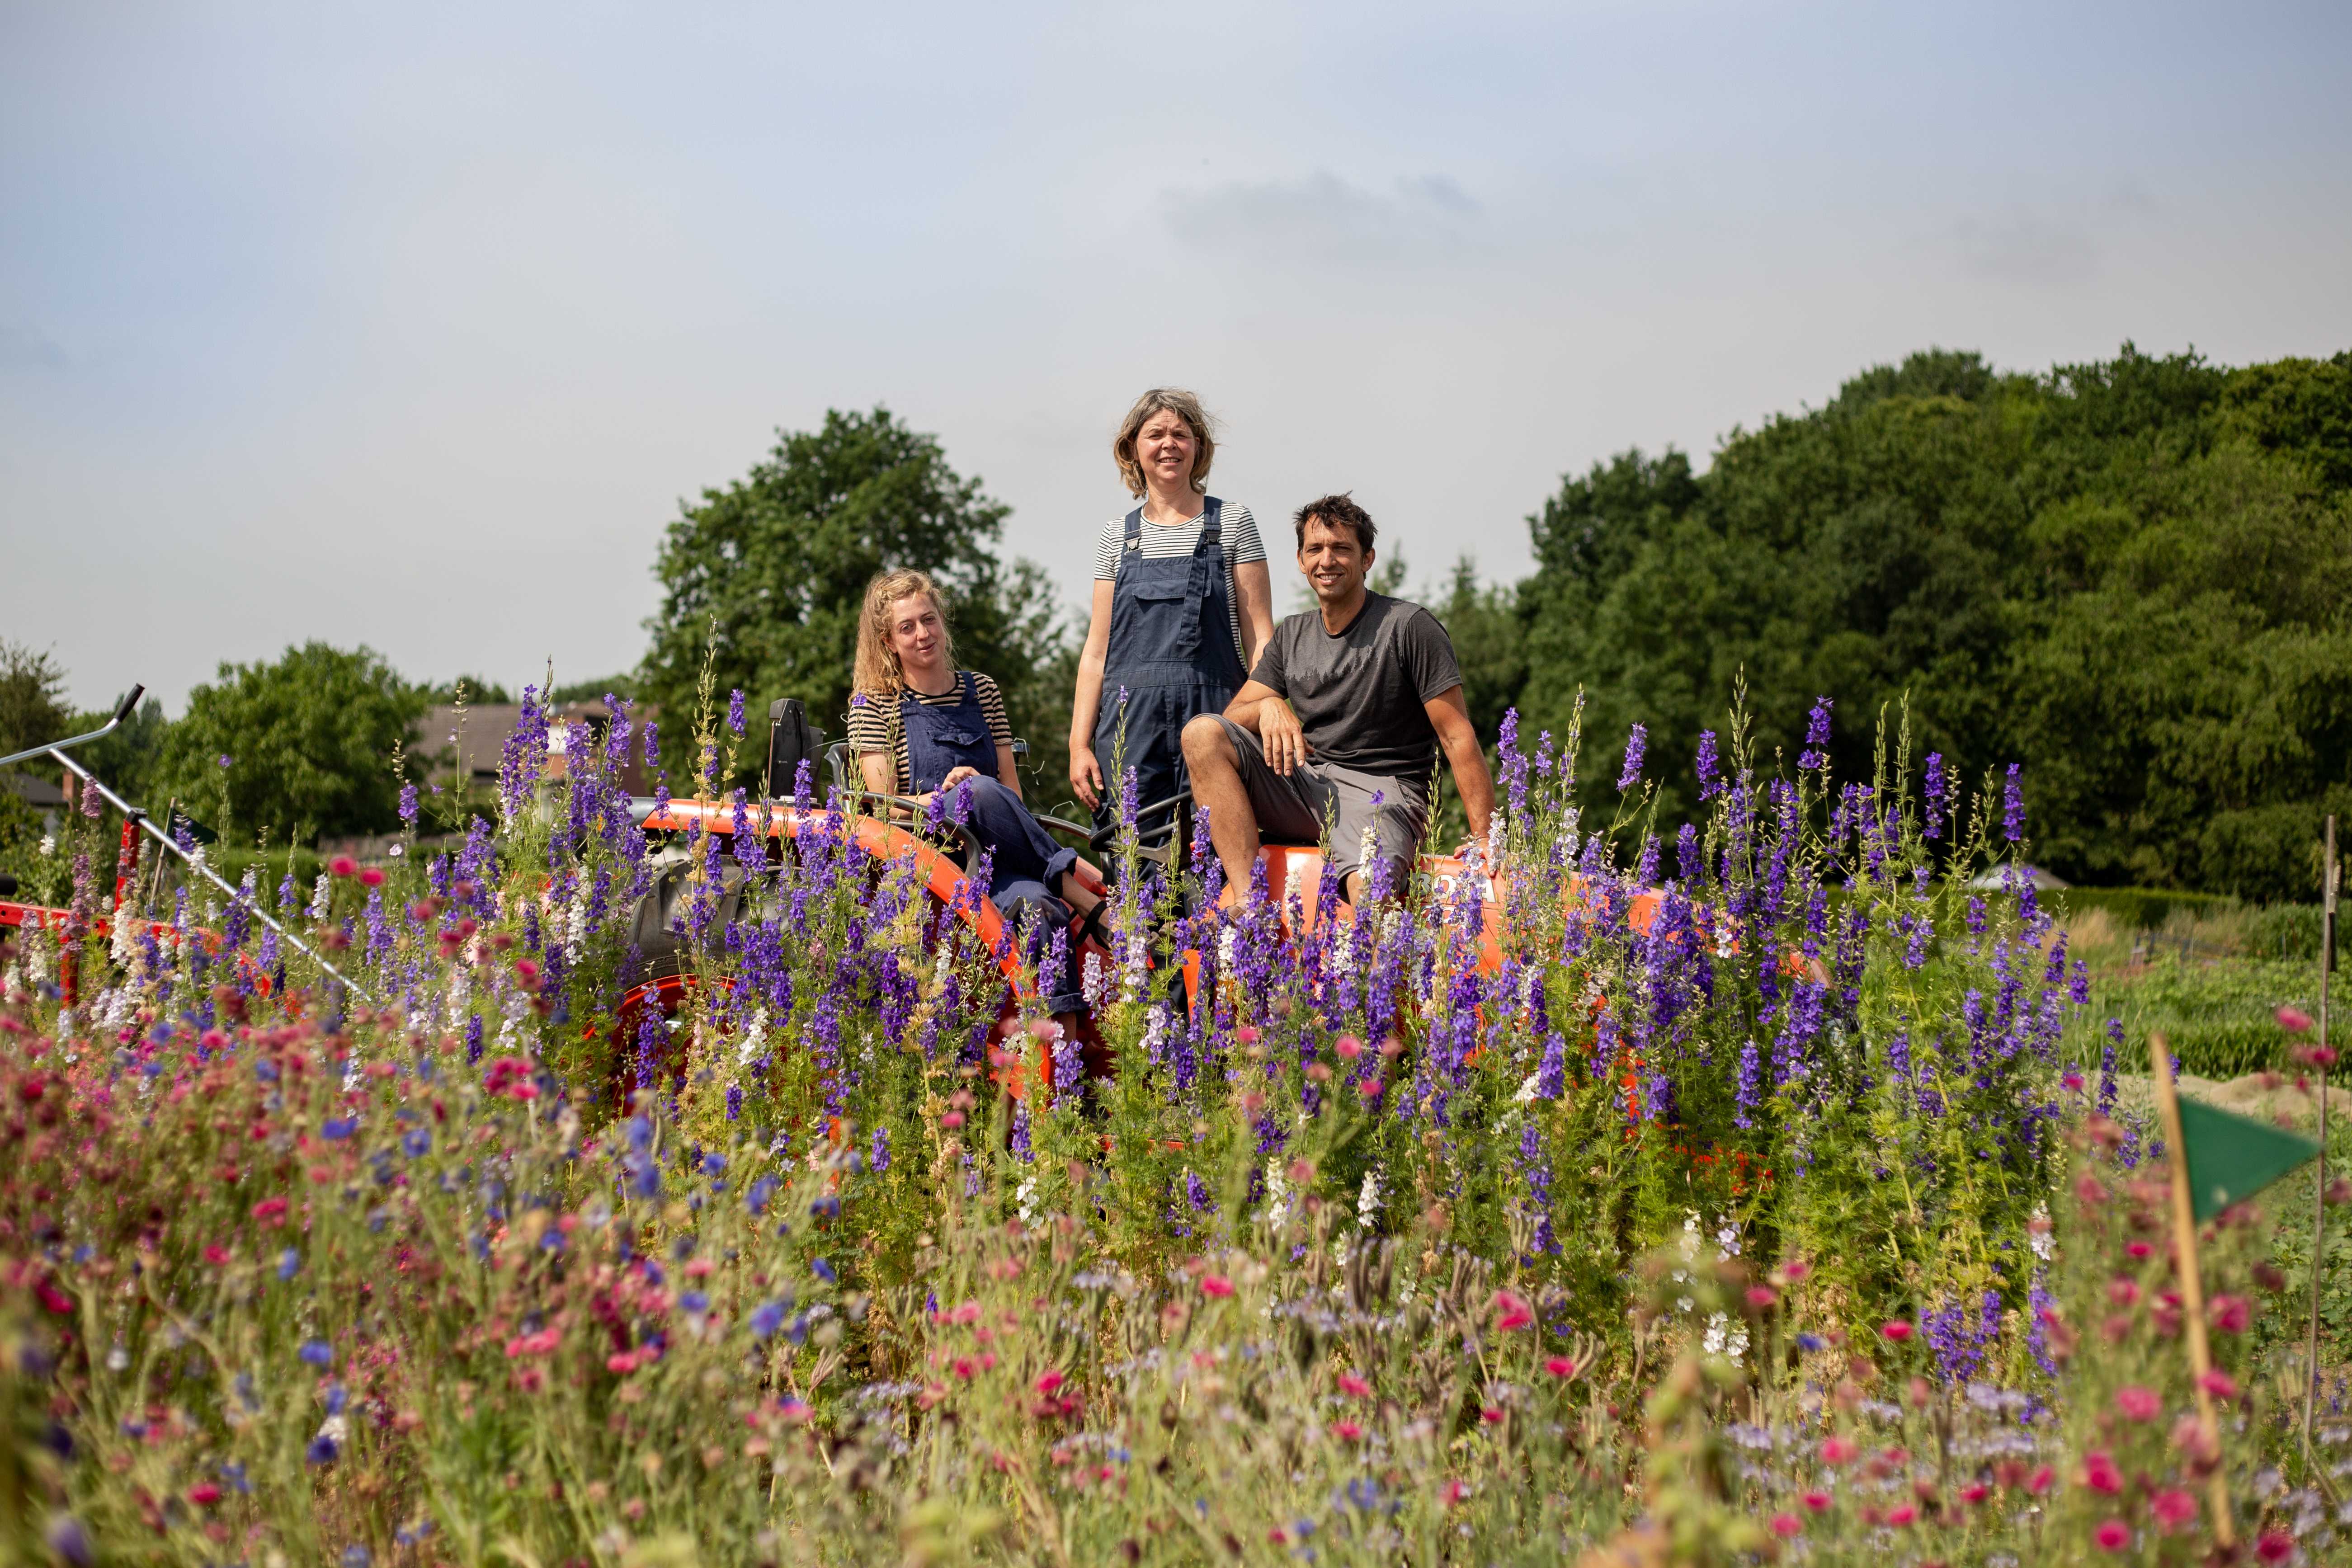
column 1340, row 723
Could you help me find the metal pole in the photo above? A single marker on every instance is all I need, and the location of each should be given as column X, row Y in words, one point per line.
column 2319, row 1203
column 135, row 813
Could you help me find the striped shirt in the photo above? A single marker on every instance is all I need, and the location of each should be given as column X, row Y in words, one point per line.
column 873, row 726
column 1162, row 541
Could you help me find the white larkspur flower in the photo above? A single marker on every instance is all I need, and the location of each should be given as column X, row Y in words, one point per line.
column 1527, row 1087
column 755, row 1034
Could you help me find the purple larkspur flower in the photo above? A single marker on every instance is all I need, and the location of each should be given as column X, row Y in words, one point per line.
column 408, row 803
column 880, row 1159
column 2012, row 806
column 1710, row 782
column 1637, row 744
column 735, row 711
column 1938, row 796
column 1817, row 735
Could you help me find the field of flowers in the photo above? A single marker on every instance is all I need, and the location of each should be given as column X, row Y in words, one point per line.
column 1760, row 1194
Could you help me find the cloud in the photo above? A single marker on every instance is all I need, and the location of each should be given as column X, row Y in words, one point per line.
column 2021, row 247
column 28, row 348
column 1322, row 218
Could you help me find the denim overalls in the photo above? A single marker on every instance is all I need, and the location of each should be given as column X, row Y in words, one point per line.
column 1025, row 862
column 1171, row 648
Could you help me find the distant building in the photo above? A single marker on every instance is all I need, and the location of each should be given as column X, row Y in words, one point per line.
column 467, row 752
column 2044, row 881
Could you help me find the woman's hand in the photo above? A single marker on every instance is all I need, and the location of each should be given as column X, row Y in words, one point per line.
column 956, row 776
column 1086, row 775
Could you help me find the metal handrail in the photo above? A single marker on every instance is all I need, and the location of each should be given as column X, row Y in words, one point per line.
column 129, row 703
column 147, row 824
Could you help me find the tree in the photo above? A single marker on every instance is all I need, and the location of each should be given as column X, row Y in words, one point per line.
column 32, row 699
column 768, row 578
column 302, row 747
column 2133, row 577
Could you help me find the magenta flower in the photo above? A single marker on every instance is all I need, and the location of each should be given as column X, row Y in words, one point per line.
column 2138, row 1403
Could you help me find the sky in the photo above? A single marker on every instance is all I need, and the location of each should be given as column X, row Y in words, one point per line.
column 412, row 325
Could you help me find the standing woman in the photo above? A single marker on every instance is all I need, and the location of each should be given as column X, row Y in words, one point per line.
column 1183, row 603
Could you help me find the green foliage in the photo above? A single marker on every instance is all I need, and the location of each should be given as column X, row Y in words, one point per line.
column 480, row 691
column 32, row 699
column 312, row 742
column 2133, row 577
column 622, row 685
column 769, row 576
column 126, row 760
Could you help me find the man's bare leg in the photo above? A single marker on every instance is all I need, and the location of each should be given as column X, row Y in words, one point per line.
column 1217, row 786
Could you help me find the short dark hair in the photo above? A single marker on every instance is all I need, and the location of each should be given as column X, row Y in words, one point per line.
column 1337, row 511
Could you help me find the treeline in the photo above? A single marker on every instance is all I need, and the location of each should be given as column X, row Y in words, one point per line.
column 2133, row 577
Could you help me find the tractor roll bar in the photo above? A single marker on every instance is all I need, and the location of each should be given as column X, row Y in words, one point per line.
column 129, row 704
column 146, row 823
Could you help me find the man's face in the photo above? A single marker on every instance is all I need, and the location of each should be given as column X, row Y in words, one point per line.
column 1333, row 563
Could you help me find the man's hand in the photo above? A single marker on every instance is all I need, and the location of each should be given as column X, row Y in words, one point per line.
column 1281, row 735
column 1086, row 775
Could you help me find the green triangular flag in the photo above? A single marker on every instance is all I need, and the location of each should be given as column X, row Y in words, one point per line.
column 2232, row 1157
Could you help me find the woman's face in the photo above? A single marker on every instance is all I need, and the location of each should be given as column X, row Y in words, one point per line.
column 1165, row 448
column 916, row 633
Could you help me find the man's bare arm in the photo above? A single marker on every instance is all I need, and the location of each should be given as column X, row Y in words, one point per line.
column 1262, row 711
column 1451, row 716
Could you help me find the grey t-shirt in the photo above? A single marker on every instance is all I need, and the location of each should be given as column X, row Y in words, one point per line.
column 1360, row 695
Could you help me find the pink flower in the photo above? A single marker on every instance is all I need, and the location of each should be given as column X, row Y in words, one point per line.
column 1349, row 1383
column 2275, row 1546
column 1511, row 1312
column 2137, row 1249
column 1787, row 1525
column 2219, row 1384
column 1839, row 1451
column 1491, row 1415
column 2294, row 1021
column 2112, row 1536
column 1900, row 1514
column 2039, row 1481
column 1898, row 1331
column 1245, row 1035
column 2072, row 1080
column 2122, row 1292
column 952, row 1119
column 540, row 1344
column 371, row 877
column 2230, row 1314
column 342, row 864
column 1560, row 1366
column 2173, row 1509
column 1049, row 1380
column 270, row 1211
column 216, row 1255
column 1817, row 1501
column 1349, row 1048
column 1345, row 1431
column 2099, row 1473
column 1371, row 1088
column 620, row 1361
column 1975, row 1493
column 2138, row 1403
column 1216, row 1285
column 1761, row 1296
column 1455, row 1491
column 1796, row 1269
column 526, row 971
column 204, row 1496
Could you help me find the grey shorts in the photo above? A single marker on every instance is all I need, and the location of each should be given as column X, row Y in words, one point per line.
column 1320, row 796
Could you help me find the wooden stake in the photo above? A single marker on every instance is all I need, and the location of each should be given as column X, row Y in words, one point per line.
column 2192, row 1288
column 2319, row 1199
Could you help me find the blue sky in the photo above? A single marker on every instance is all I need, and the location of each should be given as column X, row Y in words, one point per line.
column 411, row 325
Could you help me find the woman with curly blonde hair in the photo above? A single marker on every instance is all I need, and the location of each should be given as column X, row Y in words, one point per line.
column 1183, row 603
column 921, row 728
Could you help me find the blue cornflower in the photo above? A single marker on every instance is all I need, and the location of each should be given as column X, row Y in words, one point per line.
column 336, row 1129
column 695, row 1301
column 766, row 1319
column 827, row 1208
column 289, row 1263
column 321, row 1451
column 823, row 1270
column 416, row 1142
column 338, row 1398
column 756, row 1196
column 318, row 1352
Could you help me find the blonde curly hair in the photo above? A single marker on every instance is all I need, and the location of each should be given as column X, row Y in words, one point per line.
column 877, row 673
column 1185, row 406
